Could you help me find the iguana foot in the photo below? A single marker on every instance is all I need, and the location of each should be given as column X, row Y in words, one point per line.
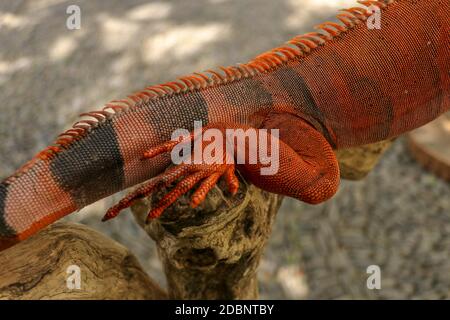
column 190, row 174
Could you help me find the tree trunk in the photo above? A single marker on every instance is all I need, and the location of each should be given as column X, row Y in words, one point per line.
column 213, row 252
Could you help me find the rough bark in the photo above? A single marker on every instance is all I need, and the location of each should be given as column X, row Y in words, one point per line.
column 38, row 267
column 213, row 252
column 356, row 163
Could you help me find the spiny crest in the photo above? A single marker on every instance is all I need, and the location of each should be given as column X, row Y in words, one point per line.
column 296, row 48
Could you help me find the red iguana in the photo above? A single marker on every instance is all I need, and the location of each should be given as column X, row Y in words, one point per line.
column 345, row 85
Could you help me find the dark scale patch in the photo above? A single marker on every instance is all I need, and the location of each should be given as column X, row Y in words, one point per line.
column 177, row 112
column 248, row 92
column 92, row 168
column 5, row 229
column 301, row 96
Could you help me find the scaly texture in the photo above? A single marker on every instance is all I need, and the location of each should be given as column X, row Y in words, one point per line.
column 344, row 85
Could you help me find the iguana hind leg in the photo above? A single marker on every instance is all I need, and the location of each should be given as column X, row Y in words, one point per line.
column 307, row 168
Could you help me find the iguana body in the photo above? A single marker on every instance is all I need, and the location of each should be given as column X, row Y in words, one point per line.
column 346, row 86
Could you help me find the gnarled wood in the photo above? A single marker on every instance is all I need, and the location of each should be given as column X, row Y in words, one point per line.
column 356, row 163
column 38, row 267
column 213, row 252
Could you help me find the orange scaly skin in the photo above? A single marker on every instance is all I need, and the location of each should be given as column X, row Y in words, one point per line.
column 343, row 86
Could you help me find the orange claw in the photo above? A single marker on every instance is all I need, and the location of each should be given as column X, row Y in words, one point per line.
column 162, row 180
column 163, row 148
column 181, row 188
column 190, row 174
column 169, row 145
column 208, row 175
column 200, row 194
column 232, row 180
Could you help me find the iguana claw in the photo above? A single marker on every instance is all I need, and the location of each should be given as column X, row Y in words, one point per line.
column 206, row 174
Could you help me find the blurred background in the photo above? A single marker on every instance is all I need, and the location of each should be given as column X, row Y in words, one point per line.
column 397, row 218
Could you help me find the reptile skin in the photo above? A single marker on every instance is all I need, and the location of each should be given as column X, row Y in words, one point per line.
column 345, row 85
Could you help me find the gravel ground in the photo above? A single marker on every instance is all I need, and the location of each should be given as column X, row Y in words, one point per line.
column 398, row 218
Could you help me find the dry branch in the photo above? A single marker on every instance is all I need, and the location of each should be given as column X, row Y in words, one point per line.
column 37, row 268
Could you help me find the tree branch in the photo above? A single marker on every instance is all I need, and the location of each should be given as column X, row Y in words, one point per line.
column 37, row 267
